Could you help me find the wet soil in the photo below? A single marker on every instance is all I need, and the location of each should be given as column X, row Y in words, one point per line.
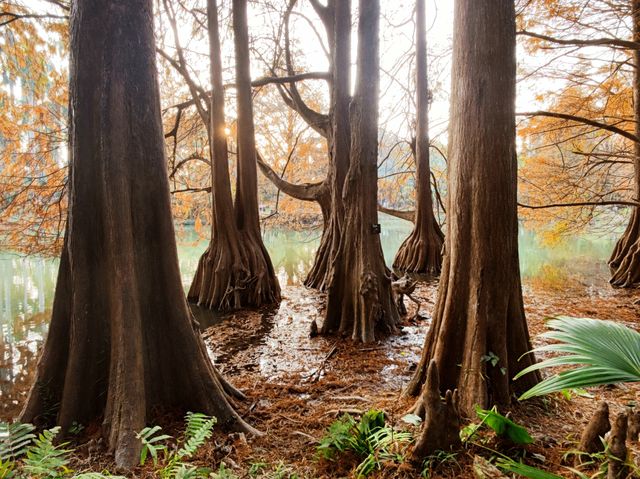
column 297, row 385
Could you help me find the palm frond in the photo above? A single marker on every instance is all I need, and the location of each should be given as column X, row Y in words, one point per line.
column 607, row 353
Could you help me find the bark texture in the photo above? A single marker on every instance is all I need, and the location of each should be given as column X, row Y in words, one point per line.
column 617, row 467
column 338, row 139
column 625, row 259
column 591, row 438
column 479, row 308
column 334, row 126
column 235, row 271
column 359, row 297
column 121, row 342
column 421, row 252
column 441, row 427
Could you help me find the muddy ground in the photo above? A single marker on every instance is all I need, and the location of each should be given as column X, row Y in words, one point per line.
column 297, row 386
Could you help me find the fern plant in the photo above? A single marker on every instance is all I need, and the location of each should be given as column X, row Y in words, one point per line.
column 15, row 438
column 370, row 438
column 198, row 428
column 152, row 443
column 606, row 352
column 45, row 459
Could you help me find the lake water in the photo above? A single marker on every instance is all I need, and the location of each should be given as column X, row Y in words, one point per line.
column 27, row 284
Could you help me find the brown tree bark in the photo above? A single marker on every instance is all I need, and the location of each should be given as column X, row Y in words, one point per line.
column 339, row 140
column 625, row 259
column 359, row 296
column 479, row 309
column 235, row 271
column 421, row 252
column 122, row 342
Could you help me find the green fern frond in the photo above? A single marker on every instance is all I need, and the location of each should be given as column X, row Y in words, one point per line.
column 44, row 459
column 15, row 438
column 152, row 443
column 198, row 428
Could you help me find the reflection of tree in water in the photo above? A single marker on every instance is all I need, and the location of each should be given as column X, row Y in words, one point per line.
column 291, row 252
column 24, row 318
column 234, row 333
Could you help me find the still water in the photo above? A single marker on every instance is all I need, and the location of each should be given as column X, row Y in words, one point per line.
column 27, row 284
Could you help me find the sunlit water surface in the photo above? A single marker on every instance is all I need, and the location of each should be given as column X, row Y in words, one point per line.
column 27, row 284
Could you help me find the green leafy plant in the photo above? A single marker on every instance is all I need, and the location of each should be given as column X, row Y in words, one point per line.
column 257, row 468
column 370, row 439
column 607, row 353
column 437, row 459
column 96, row 475
column 337, row 438
column 152, row 443
column 198, row 428
column 223, row 473
column 509, row 465
column 6, row 469
column 44, row 459
column 15, row 438
column 23, row 454
column 503, row 426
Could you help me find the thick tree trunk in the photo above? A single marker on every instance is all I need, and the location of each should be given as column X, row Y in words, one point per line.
column 421, row 252
column 479, row 309
column 122, row 343
column 360, row 300
column 625, row 259
column 339, row 140
column 235, row 271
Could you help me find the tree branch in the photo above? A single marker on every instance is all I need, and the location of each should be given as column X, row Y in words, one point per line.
column 404, row 215
column 584, row 121
column 584, row 203
column 304, row 192
column 593, row 42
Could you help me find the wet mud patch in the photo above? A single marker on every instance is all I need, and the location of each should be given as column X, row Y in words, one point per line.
column 276, row 343
column 297, row 386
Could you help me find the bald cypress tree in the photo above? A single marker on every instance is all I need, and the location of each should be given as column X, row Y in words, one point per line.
column 122, row 342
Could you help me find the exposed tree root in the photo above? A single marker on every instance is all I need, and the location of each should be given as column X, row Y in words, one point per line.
column 441, row 426
column 593, row 434
column 617, row 468
column 233, row 276
column 421, row 252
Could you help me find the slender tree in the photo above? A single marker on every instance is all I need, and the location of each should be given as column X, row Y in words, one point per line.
column 235, row 271
column 339, row 139
column 334, row 126
column 421, row 252
column 479, row 310
column 359, row 297
column 122, row 342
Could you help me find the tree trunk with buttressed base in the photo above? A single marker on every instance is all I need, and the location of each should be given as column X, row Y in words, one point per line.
column 235, row 271
column 479, row 332
column 421, row 252
column 122, row 342
column 360, row 301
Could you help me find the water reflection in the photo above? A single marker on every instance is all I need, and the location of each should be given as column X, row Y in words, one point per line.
column 27, row 284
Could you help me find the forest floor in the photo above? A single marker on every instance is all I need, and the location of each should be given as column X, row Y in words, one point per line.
column 297, row 386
